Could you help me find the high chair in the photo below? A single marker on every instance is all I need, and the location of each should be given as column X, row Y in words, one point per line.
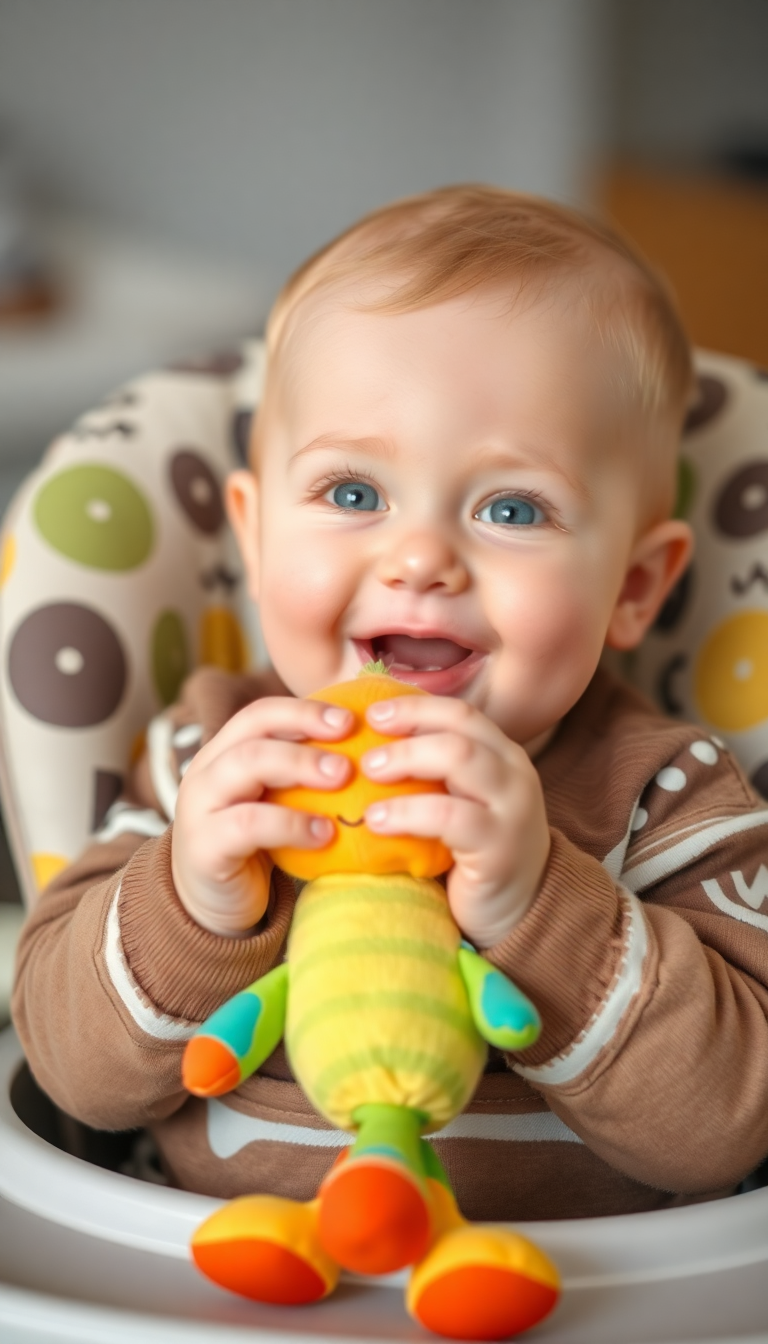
column 118, row 575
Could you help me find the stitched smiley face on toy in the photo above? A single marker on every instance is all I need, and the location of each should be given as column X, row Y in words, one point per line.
column 355, row 848
column 386, row 1013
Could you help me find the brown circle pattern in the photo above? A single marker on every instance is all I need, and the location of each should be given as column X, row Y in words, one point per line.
column 241, row 435
column 676, row 604
column 711, row 398
column 197, row 490
column 66, row 666
column 107, row 786
column 666, row 692
column 218, row 364
column 741, row 507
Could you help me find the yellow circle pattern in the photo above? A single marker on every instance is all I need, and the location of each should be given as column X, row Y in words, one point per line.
column 7, row 558
column 731, row 677
column 222, row 641
column 47, row 866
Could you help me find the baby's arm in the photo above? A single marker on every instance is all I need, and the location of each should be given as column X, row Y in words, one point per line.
column 113, row 976
column 655, row 1005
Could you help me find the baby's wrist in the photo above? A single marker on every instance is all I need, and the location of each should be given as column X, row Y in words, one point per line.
column 497, row 931
column 226, row 913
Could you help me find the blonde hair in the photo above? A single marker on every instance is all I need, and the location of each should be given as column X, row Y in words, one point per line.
column 454, row 240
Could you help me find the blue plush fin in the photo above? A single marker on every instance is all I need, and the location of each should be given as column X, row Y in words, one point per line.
column 501, row 1012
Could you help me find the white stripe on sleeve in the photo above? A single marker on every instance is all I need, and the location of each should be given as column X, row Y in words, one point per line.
column 149, row 1019
column 638, row 876
column 604, row 1025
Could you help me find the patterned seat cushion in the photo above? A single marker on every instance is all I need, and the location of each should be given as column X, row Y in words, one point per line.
column 119, row 575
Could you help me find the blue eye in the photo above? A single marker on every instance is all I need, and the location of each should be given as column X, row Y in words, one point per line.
column 357, row 495
column 511, row 510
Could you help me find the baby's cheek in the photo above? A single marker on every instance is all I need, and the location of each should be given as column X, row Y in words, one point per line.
column 554, row 634
column 299, row 610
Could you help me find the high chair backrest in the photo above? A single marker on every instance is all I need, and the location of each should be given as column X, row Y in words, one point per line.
column 119, row 575
column 706, row 658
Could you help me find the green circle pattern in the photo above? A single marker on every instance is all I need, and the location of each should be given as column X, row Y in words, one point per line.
column 170, row 656
column 686, row 488
column 95, row 516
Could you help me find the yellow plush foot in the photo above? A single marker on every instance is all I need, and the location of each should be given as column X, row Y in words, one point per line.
column 374, row 1215
column 267, row 1249
column 480, row 1282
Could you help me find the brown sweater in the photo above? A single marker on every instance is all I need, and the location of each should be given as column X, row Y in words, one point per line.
column 646, row 953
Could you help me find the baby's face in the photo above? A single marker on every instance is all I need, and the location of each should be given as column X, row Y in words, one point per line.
column 448, row 490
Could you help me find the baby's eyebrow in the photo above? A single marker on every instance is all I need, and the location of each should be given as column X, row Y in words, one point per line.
column 494, row 457
column 374, row 447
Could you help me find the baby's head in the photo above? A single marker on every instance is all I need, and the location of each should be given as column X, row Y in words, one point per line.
column 464, row 461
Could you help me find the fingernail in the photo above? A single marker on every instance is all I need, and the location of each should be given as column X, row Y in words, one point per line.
column 335, row 717
column 376, row 815
column 332, row 765
column 382, row 711
column 320, row 828
column 376, row 759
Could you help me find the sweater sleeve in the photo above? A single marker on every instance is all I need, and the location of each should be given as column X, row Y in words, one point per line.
column 653, row 982
column 112, row 975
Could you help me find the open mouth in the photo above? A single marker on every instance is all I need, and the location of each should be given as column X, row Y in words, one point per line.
column 406, row 653
column 436, row 663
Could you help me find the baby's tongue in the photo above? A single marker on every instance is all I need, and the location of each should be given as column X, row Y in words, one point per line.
column 419, row 655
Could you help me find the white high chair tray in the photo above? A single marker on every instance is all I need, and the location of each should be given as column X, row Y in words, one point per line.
column 90, row 1255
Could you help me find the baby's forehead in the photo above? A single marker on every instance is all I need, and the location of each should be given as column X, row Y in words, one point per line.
column 490, row 343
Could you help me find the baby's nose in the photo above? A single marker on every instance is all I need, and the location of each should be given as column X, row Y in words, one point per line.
column 421, row 561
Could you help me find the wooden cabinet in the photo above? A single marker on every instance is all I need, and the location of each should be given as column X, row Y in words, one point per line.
column 710, row 237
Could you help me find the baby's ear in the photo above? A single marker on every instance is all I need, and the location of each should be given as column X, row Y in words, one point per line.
column 655, row 564
column 241, row 496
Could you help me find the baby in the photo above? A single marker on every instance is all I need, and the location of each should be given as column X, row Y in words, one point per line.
column 464, row 465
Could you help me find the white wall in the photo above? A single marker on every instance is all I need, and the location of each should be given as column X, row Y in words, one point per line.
column 258, row 128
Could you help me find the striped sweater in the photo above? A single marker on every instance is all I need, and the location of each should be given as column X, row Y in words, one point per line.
column 646, row 953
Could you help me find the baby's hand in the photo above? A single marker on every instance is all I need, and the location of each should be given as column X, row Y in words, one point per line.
column 493, row 818
column 221, row 829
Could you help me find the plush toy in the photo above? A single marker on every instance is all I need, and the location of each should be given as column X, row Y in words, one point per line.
column 386, row 1013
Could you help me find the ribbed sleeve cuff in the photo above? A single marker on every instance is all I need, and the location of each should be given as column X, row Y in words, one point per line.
column 184, row 970
column 564, row 952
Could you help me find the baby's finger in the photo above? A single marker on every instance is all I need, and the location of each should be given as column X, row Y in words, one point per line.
column 463, row 826
column 469, row 768
column 240, row 831
column 241, row 773
column 416, row 714
column 283, row 718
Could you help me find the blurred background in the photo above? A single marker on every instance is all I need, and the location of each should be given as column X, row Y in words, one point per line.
column 164, row 164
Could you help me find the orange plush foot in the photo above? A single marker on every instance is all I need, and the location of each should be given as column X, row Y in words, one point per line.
column 209, row 1068
column 482, row 1283
column 374, row 1216
column 267, row 1249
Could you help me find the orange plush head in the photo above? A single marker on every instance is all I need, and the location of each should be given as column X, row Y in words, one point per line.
column 354, row 848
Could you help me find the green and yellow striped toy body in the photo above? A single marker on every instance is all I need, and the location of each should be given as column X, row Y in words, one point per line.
column 378, row 1009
